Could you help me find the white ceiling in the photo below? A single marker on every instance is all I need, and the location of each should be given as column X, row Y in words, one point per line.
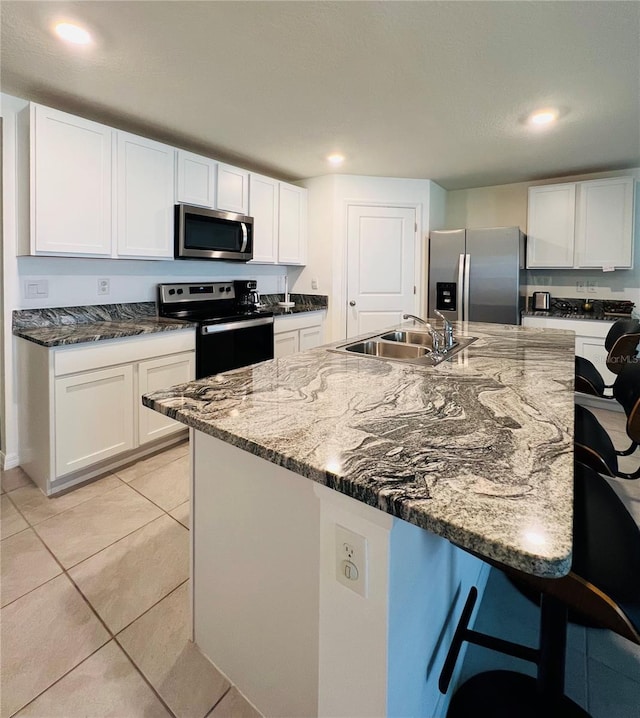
column 425, row 89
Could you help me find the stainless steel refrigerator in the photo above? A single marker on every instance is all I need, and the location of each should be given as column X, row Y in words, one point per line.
column 477, row 274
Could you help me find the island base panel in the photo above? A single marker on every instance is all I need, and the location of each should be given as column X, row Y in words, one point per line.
column 270, row 613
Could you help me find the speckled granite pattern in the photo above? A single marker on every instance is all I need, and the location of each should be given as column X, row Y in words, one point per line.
column 478, row 449
column 74, row 325
column 303, row 303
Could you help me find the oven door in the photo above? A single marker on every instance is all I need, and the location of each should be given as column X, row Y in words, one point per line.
column 221, row 347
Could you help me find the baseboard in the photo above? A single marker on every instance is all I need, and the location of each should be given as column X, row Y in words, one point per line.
column 9, row 461
column 597, row 402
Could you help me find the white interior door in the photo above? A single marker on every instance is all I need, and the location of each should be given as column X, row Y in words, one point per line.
column 380, row 266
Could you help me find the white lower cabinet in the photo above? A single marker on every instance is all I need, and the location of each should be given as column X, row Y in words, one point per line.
column 80, row 406
column 297, row 332
column 93, row 417
column 156, row 374
column 285, row 343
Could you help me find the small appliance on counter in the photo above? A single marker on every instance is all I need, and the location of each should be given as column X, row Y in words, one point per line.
column 541, row 301
column 247, row 295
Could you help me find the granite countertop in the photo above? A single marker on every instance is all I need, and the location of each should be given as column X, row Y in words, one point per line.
column 75, row 325
column 607, row 310
column 478, row 449
column 60, row 326
column 302, row 303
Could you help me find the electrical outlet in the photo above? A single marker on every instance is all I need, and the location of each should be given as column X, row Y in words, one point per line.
column 351, row 560
column 579, row 286
column 592, row 287
column 103, row 286
column 314, row 284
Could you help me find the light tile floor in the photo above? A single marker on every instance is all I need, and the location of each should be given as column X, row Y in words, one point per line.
column 94, row 595
column 602, row 669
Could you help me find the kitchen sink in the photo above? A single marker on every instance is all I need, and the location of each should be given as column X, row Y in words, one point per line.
column 411, row 347
column 421, row 338
column 388, row 351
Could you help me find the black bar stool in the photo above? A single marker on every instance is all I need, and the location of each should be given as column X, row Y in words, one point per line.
column 602, row 585
column 621, row 344
column 593, row 446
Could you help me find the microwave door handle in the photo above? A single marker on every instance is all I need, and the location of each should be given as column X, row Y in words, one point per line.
column 245, row 237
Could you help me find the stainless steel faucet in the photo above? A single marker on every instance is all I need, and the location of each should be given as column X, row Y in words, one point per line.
column 438, row 341
column 448, row 330
column 416, row 319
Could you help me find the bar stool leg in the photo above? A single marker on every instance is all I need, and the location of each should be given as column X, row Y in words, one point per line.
column 553, row 643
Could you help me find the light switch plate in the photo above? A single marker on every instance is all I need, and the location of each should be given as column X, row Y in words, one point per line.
column 351, row 560
column 36, row 288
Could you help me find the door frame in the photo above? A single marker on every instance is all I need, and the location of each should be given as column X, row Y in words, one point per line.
column 341, row 278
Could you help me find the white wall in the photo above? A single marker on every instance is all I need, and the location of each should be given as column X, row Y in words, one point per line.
column 329, row 200
column 506, row 205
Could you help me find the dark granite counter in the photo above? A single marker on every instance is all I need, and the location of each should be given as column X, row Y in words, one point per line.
column 478, row 449
column 571, row 308
column 303, row 303
column 75, row 325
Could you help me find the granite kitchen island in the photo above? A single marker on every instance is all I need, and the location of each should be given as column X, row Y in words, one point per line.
column 305, row 464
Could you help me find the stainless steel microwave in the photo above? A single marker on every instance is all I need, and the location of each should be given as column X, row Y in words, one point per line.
column 211, row 234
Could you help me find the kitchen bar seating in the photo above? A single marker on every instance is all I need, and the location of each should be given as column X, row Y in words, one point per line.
column 593, row 446
column 621, row 344
column 602, row 585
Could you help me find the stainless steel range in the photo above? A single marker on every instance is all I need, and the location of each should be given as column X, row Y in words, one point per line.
column 231, row 332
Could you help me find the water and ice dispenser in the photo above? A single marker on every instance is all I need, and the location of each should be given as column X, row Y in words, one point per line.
column 446, row 296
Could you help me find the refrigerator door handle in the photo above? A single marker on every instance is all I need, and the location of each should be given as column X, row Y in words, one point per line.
column 460, row 286
column 467, row 269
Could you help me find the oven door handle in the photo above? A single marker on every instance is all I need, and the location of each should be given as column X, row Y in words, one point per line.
column 230, row 326
column 245, row 237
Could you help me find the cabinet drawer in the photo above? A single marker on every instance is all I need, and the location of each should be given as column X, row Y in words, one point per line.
column 297, row 321
column 68, row 360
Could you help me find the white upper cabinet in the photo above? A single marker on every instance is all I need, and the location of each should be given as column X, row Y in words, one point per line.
column 145, row 197
column 233, row 189
column 292, row 235
column 581, row 224
column 196, row 180
column 550, row 225
column 70, row 175
column 263, row 207
column 604, row 223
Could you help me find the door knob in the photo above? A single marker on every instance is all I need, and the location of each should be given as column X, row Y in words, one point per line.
column 352, row 303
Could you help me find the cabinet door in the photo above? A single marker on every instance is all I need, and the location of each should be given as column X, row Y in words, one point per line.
column 70, row 184
column 158, row 374
column 593, row 349
column 196, row 180
column 292, row 235
column 604, row 223
column 550, row 225
column 263, row 207
column 285, row 344
column 310, row 337
column 93, row 417
column 145, row 197
column 233, row 189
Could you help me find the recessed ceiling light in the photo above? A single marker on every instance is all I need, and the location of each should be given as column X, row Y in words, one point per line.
column 69, row 32
column 540, row 118
column 335, row 159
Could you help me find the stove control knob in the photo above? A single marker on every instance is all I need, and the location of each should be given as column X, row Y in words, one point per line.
column 180, row 291
column 227, row 289
column 172, row 291
column 221, row 289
